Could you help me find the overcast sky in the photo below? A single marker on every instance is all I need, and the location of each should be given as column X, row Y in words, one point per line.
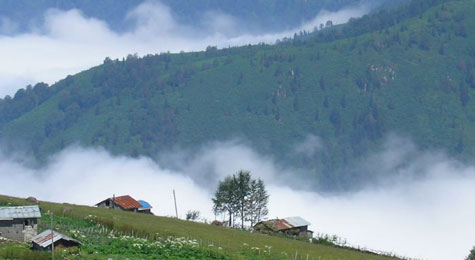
column 68, row 42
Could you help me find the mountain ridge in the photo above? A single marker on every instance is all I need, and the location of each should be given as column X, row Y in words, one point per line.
column 415, row 78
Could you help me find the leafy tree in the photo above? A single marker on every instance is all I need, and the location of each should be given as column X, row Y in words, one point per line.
column 241, row 196
column 471, row 256
column 242, row 192
column 335, row 118
column 224, row 200
column 257, row 203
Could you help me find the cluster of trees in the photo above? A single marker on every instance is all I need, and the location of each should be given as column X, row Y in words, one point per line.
column 23, row 101
column 375, row 22
column 241, row 197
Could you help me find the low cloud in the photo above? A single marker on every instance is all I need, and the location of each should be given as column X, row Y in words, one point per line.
column 7, row 26
column 338, row 17
column 427, row 216
column 67, row 42
column 310, row 146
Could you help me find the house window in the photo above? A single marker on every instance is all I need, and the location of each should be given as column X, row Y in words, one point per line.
column 27, row 222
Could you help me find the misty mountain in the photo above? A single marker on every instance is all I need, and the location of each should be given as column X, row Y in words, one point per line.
column 254, row 16
column 319, row 101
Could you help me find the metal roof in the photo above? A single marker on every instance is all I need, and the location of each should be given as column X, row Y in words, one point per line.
column 10, row 213
column 44, row 238
column 125, row 202
column 297, row 221
column 281, row 224
column 145, row 205
column 286, row 223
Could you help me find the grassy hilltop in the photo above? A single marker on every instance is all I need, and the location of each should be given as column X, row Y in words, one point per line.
column 112, row 234
column 409, row 71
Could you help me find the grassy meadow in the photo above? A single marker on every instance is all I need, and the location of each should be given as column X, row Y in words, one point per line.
column 111, row 234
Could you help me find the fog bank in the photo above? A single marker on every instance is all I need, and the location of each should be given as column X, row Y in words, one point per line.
column 429, row 217
column 68, row 42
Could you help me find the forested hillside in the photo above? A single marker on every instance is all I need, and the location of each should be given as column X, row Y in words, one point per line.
column 410, row 72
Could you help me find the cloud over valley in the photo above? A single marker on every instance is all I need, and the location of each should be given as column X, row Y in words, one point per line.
column 428, row 217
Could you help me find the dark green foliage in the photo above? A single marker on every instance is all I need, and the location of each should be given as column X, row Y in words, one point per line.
column 23, row 101
column 224, row 200
column 391, row 77
column 471, row 256
column 257, row 202
column 380, row 21
column 241, row 196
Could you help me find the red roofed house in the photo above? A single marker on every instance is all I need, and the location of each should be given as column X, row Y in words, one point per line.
column 126, row 203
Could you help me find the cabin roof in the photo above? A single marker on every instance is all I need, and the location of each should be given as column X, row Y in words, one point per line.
column 297, row 221
column 286, row 223
column 22, row 212
column 144, row 204
column 125, row 202
column 44, row 238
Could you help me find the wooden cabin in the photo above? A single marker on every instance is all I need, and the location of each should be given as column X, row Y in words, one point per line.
column 44, row 240
column 293, row 226
column 126, row 203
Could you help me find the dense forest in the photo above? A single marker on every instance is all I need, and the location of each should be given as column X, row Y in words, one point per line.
column 409, row 72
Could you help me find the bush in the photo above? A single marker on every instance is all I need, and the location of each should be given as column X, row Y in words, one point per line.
column 192, row 215
column 21, row 252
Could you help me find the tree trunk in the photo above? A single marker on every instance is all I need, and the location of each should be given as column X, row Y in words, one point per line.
column 242, row 217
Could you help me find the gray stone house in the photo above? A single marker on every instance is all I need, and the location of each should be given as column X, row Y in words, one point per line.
column 19, row 223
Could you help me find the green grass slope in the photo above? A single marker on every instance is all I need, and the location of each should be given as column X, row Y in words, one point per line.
column 411, row 72
column 234, row 244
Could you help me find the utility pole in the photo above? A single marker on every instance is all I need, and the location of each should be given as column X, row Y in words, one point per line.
column 52, row 237
column 176, row 210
